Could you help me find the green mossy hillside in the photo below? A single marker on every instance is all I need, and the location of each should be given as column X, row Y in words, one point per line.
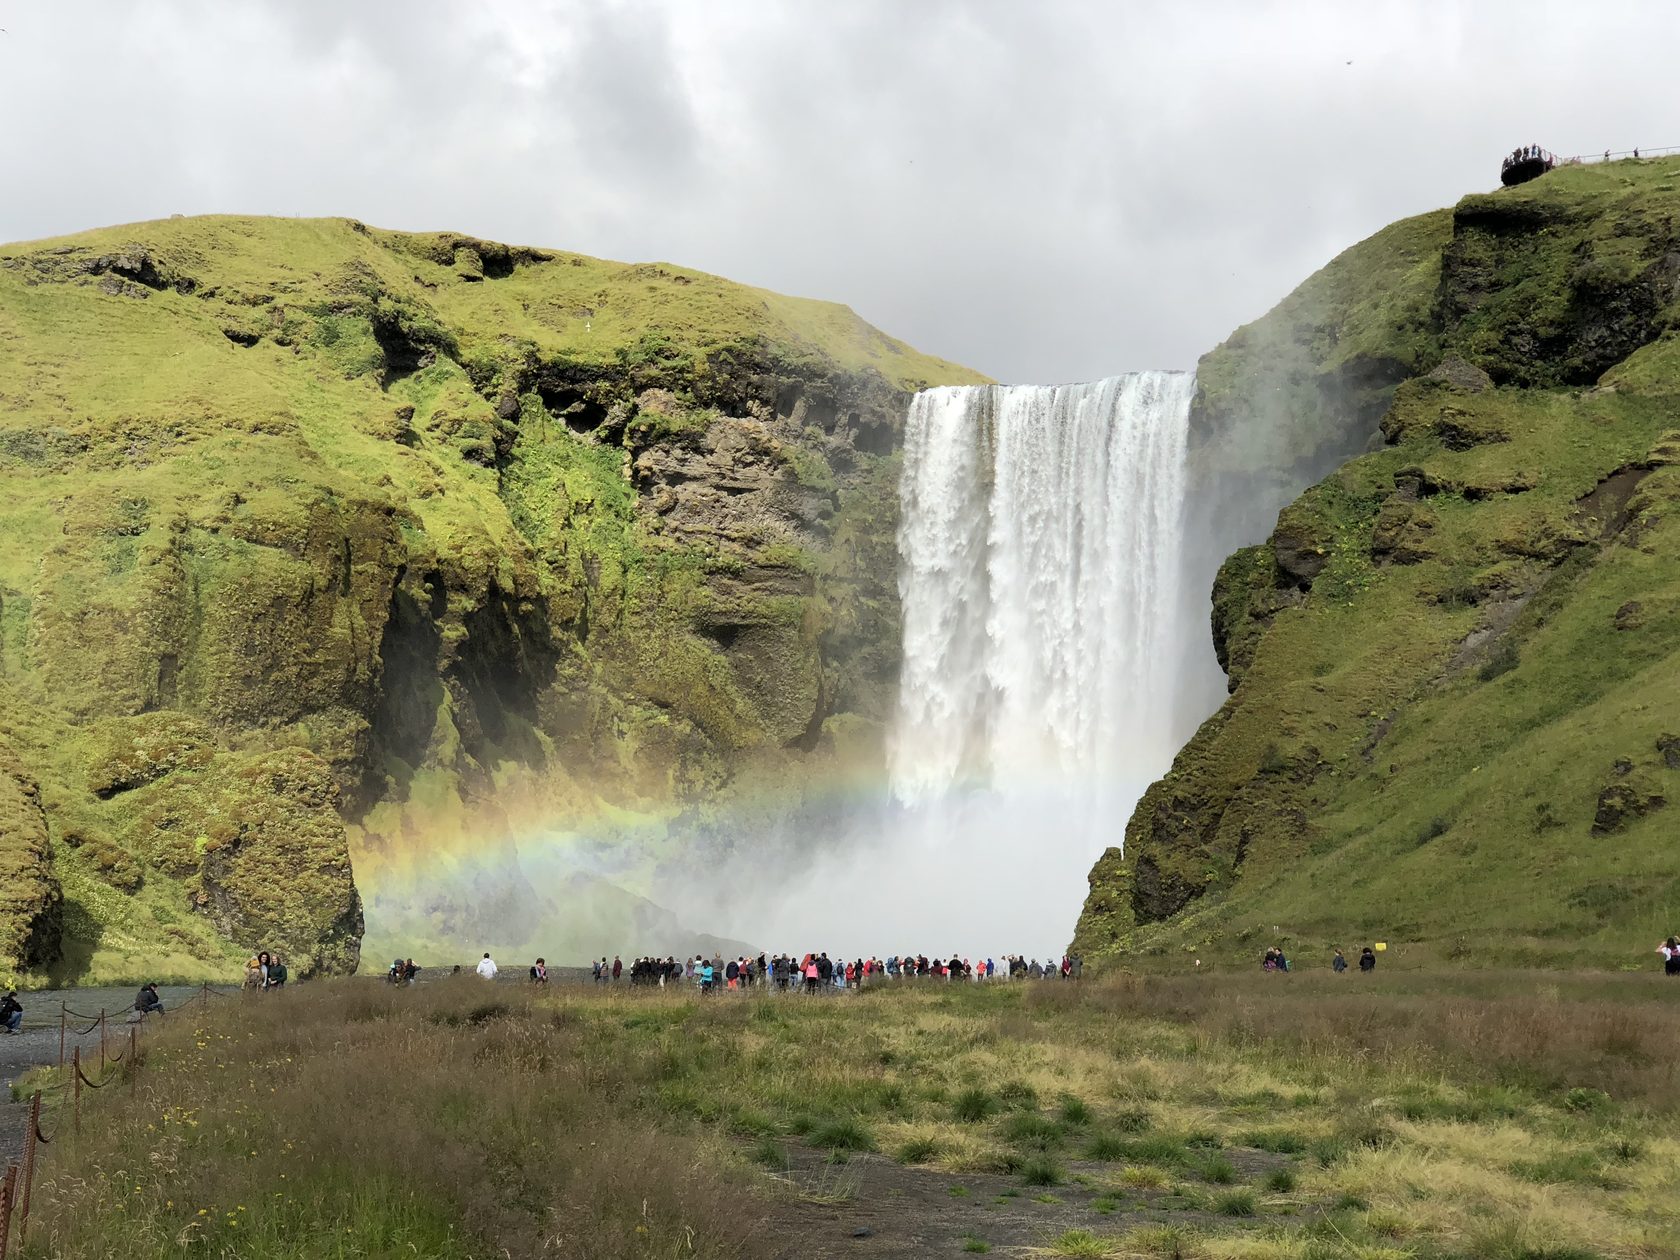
column 1454, row 719
column 321, row 541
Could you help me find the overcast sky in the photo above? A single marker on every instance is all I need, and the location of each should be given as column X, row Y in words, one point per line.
column 1043, row 190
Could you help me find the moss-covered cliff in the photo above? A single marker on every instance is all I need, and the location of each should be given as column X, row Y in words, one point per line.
column 1454, row 665
column 319, row 540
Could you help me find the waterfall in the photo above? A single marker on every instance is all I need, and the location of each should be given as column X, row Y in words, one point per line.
column 1040, row 576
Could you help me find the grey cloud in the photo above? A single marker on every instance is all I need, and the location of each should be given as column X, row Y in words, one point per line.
column 1044, row 191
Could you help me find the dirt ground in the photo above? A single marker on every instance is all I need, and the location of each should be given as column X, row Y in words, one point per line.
column 873, row 1207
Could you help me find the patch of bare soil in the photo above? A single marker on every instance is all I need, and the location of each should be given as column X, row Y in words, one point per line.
column 872, row 1207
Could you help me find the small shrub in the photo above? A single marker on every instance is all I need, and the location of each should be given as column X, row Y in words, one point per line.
column 1106, row 1204
column 845, row 1134
column 1328, row 1150
column 1031, row 1130
column 1041, row 1170
column 1235, row 1203
column 1017, row 1094
column 957, row 1192
column 753, row 1123
column 1372, row 1133
column 1143, row 1176
column 770, row 1154
column 1385, row 1223
column 918, row 1151
column 1625, row 1150
column 973, row 1105
column 1132, row 1120
column 1075, row 1112
column 801, row 1125
column 1105, row 1146
column 1584, row 1100
column 1281, row 1180
column 1278, row 1141
column 1202, row 1139
column 976, row 1246
column 1350, row 1203
column 1217, row 1171
column 1168, row 1242
column 1156, row 1148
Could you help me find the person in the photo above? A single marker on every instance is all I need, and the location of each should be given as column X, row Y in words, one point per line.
column 595, row 968
column 11, row 1012
column 1670, row 951
column 253, row 974
column 617, row 967
column 539, row 972
column 277, row 972
column 147, row 1002
column 1338, row 964
column 708, row 976
column 410, row 969
column 487, row 967
column 1367, row 959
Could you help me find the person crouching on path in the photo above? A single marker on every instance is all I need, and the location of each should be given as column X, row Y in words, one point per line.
column 147, row 1002
column 11, row 1013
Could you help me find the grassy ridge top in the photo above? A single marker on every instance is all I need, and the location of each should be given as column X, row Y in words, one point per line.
column 589, row 309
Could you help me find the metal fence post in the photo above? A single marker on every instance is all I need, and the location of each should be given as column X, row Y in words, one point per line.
column 76, row 1064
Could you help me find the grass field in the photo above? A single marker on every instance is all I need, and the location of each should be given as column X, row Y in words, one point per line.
column 1495, row 1117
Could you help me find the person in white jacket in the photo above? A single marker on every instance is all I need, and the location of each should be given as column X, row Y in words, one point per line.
column 487, row 967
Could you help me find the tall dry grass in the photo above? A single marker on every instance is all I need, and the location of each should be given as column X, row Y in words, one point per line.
column 1550, row 1034
column 352, row 1120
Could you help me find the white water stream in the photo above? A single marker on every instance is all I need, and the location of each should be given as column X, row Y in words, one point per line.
column 1044, row 636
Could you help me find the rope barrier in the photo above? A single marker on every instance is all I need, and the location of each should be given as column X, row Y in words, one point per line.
column 91, row 1084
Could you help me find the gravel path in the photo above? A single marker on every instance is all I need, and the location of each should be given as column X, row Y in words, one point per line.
column 37, row 1044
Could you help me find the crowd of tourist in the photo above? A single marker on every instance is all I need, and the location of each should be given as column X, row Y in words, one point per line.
column 817, row 971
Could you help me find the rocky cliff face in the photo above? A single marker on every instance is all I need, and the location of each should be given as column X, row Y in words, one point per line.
column 1450, row 701
column 320, row 541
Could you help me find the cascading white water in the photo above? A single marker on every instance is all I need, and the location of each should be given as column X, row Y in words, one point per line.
column 1039, row 569
column 1045, row 638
